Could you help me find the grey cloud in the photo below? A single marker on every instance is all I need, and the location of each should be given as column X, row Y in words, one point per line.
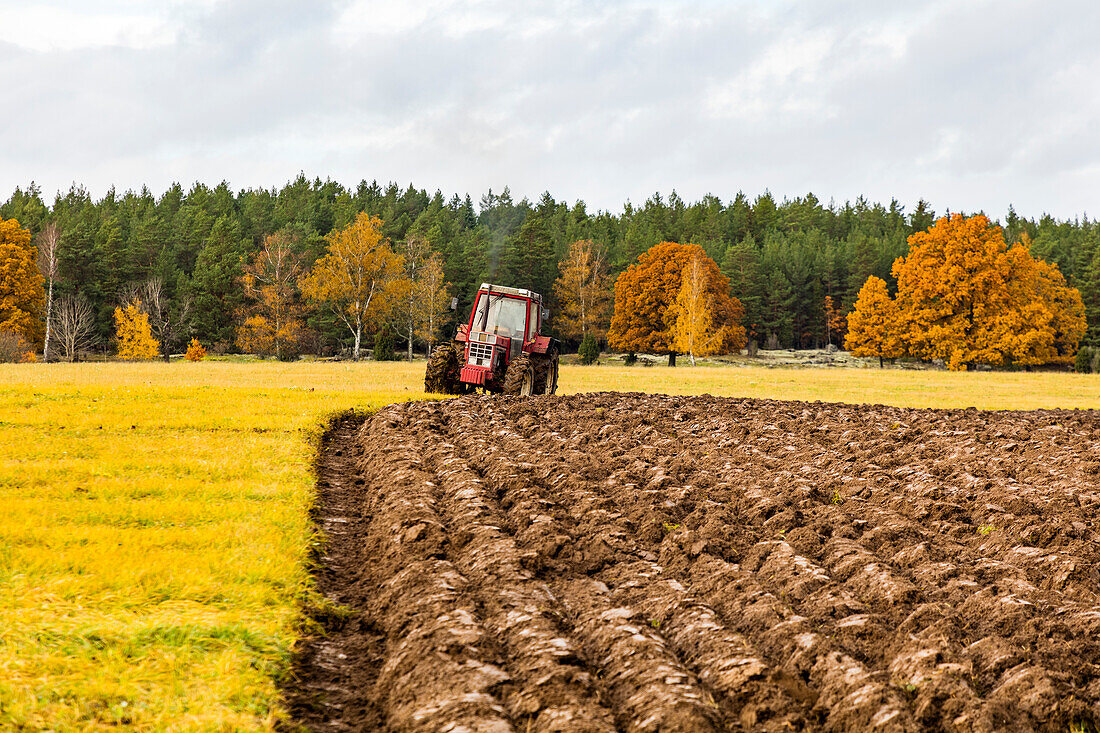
column 970, row 105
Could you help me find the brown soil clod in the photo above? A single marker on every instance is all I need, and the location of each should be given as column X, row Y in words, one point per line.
column 647, row 563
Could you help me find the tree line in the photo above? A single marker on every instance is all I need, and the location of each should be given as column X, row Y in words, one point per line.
column 228, row 267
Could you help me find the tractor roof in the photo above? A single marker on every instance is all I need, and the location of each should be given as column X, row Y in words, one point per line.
column 518, row 292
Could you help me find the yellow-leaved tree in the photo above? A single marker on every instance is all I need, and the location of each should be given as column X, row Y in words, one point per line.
column 691, row 317
column 195, row 351
column 356, row 279
column 273, row 322
column 967, row 297
column 646, row 290
column 135, row 338
column 873, row 323
column 582, row 291
column 432, row 302
column 22, row 296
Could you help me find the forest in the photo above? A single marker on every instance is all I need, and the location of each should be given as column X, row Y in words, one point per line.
column 783, row 259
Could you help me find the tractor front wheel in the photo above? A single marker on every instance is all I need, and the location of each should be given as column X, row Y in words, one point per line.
column 520, row 377
column 444, row 369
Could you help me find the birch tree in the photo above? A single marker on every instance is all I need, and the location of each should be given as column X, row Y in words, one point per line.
column 48, row 240
column 273, row 321
column 693, row 328
column 355, row 278
column 582, row 291
column 414, row 251
column 432, row 300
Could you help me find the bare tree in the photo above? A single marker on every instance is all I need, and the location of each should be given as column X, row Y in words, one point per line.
column 167, row 321
column 48, row 240
column 74, row 323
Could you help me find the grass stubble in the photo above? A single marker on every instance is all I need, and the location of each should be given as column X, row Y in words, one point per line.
column 154, row 518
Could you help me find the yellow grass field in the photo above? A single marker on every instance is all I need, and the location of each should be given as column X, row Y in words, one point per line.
column 154, row 530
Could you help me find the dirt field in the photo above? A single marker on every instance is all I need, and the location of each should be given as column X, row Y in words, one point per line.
column 644, row 563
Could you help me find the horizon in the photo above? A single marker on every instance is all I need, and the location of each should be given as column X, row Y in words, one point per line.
column 831, row 203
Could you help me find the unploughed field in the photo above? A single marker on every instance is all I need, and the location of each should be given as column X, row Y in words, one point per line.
column 156, row 538
column 630, row 562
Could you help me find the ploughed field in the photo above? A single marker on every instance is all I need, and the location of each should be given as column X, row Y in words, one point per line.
column 646, row 563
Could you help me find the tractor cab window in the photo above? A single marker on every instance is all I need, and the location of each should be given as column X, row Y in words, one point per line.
column 533, row 319
column 506, row 316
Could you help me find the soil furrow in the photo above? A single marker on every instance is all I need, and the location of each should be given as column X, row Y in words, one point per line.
column 549, row 689
column 640, row 562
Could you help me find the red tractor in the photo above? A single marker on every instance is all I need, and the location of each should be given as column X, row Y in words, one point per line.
column 500, row 349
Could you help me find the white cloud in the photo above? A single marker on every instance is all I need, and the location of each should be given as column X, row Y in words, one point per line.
column 45, row 28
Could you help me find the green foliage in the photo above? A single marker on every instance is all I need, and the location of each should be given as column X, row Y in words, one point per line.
column 1083, row 362
column 383, row 346
column 589, row 349
column 742, row 265
column 215, row 284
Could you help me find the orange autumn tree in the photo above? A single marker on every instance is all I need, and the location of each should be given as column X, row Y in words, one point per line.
column 647, row 289
column 834, row 321
column 135, row 338
column 273, row 317
column 873, row 323
column 582, row 291
column 967, row 297
column 1047, row 319
column 358, row 277
column 22, row 296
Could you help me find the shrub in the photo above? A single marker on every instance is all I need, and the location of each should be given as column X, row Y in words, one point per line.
column 1083, row 363
column 590, row 349
column 14, row 348
column 383, row 346
column 631, row 359
column 195, row 351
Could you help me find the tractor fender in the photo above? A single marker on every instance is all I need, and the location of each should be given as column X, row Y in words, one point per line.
column 541, row 345
column 463, row 333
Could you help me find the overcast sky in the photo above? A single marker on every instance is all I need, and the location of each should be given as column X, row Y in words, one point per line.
column 970, row 105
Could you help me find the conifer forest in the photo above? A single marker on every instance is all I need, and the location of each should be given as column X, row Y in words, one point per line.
column 199, row 245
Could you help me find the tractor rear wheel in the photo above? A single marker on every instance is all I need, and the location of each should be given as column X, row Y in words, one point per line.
column 546, row 377
column 519, row 379
column 442, row 374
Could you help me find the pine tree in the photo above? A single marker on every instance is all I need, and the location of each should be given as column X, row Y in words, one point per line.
column 529, row 260
column 742, row 267
column 215, row 288
column 1090, row 294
